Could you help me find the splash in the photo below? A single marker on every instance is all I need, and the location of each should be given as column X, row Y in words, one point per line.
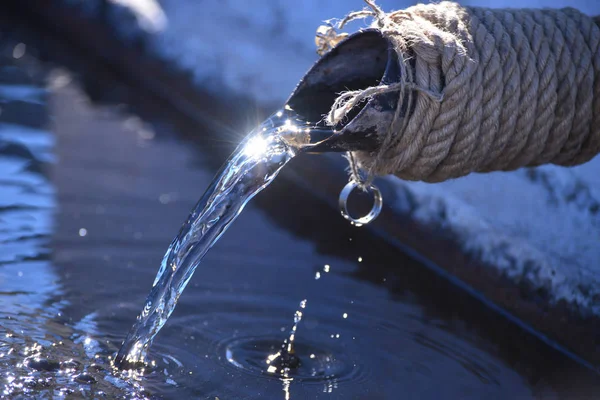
column 286, row 359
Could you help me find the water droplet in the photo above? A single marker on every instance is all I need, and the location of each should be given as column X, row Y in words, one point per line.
column 19, row 50
column 146, row 134
column 164, row 198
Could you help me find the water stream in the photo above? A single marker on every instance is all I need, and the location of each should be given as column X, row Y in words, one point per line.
column 251, row 168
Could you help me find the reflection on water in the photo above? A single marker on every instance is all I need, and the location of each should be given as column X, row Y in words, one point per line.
column 42, row 352
column 27, row 280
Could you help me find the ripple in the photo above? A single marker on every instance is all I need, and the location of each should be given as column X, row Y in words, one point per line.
column 315, row 363
column 344, row 342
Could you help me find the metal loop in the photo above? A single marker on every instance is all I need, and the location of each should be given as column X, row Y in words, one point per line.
column 377, row 203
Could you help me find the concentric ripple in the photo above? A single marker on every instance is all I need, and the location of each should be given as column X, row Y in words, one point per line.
column 314, row 362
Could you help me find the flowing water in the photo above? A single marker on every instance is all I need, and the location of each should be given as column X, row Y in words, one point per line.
column 90, row 199
column 251, row 168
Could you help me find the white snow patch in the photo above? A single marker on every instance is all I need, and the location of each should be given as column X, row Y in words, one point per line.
column 540, row 226
column 149, row 14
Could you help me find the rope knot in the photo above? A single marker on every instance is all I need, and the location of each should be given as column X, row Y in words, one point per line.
column 485, row 89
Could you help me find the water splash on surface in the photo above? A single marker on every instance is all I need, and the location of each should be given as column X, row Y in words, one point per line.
column 251, row 168
column 291, row 362
column 286, row 359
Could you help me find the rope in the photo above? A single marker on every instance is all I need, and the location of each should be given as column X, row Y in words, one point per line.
column 487, row 89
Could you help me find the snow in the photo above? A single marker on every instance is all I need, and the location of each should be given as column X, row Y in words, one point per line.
column 538, row 226
column 148, row 13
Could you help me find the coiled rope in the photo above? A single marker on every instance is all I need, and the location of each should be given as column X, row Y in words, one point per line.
column 488, row 90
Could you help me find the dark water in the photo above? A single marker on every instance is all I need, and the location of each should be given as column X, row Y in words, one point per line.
column 86, row 213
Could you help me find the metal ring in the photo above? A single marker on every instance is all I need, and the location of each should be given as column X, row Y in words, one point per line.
column 377, row 204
